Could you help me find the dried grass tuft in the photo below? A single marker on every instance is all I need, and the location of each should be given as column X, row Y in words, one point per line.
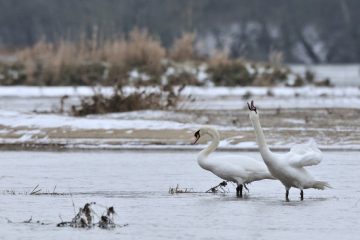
column 183, row 48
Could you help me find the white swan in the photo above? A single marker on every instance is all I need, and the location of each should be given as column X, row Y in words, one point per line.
column 289, row 167
column 238, row 169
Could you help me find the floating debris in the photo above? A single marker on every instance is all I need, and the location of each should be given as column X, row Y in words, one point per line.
column 36, row 191
column 107, row 220
column 85, row 219
column 177, row 189
column 29, row 221
column 218, row 187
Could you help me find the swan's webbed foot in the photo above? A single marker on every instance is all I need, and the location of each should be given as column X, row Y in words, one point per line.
column 301, row 195
column 287, row 195
column 239, row 190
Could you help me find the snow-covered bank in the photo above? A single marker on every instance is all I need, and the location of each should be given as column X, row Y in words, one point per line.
column 27, row 99
column 32, row 120
column 307, row 91
column 30, row 91
column 330, row 115
column 174, row 130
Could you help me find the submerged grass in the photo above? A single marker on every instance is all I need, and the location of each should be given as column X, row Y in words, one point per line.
column 220, row 188
column 178, row 189
column 36, row 191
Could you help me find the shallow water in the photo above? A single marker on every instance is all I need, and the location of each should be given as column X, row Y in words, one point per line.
column 137, row 183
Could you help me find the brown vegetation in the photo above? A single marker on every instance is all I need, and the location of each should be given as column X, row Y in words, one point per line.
column 183, row 48
column 110, row 62
column 160, row 98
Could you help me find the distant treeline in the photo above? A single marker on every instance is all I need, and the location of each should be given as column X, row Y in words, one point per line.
column 311, row 31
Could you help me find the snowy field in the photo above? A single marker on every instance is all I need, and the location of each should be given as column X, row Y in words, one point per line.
column 289, row 115
column 136, row 183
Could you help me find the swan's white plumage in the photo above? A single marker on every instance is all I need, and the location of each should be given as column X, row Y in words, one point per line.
column 302, row 155
column 238, row 169
column 235, row 168
column 289, row 167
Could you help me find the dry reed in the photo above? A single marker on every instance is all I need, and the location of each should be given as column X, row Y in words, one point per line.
column 183, row 48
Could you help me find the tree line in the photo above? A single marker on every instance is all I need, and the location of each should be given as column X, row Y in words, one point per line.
column 307, row 31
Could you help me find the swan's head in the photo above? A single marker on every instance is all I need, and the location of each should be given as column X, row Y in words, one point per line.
column 206, row 130
column 253, row 111
column 252, row 107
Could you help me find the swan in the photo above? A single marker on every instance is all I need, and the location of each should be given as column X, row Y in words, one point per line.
column 238, row 169
column 289, row 167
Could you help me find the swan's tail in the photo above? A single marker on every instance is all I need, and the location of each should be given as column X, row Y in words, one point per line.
column 321, row 185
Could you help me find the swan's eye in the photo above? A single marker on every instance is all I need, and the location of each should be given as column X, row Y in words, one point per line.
column 197, row 134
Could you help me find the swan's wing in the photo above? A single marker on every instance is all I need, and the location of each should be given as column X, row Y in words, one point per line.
column 240, row 167
column 303, row 155
column 237, row 165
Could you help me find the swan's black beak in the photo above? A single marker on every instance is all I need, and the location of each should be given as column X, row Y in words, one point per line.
column 249, row 106
column 252, row 106
column 197, row 136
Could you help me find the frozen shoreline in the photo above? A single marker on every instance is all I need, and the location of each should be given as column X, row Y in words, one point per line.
column 329, row 115
column 278, row 91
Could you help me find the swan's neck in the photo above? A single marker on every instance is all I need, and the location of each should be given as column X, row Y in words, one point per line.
column 260, row 139
column 203, row 155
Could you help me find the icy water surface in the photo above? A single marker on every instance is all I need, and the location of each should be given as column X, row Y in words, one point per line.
column 137, row 183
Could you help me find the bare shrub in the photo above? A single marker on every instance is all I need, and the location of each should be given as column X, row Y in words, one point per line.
column 164, row 98
column 184, row 78
column 114, row 52
column 230, row 73
column 144, row 52
column 64, row 62
column 219, row 58
column 48, row 64
column 108, row 62
column 183, row 48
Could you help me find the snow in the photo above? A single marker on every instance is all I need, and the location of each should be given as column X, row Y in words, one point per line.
column 277, row 91
column 135, row 75
column 16, row 119
column 21, row 125
column 339, row 74
column 30, row 91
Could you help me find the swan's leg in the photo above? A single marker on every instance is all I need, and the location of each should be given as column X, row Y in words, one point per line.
column 287, row 194
column 301, row 195
column 239, row 190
